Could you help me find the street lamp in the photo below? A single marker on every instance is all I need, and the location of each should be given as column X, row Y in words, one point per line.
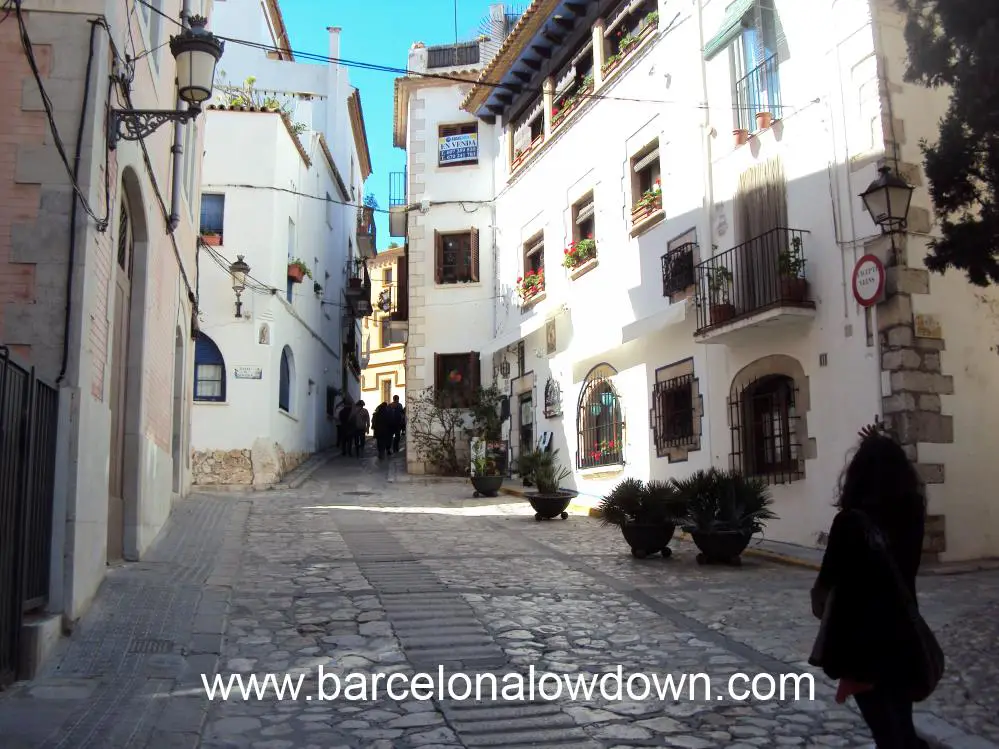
column 197, row 51
column 887, row 200
column 239, row 271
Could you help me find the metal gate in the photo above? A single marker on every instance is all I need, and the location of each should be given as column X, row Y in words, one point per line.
column 28, row 422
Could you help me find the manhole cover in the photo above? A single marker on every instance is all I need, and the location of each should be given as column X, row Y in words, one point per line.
column 151, row 646
column 359, row 494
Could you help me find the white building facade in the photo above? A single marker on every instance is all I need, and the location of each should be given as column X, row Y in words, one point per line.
column 714, row 153
column 286, row 157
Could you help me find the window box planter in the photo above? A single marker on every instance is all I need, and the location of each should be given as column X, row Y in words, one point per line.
column 520, row 156
column 531, row 286
column 212, row 240
column 579, row 253
column 630, row 44
column 583, row 268
column 561, row 110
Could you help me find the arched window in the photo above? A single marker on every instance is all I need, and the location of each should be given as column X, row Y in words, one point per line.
column 209, row 370
column 600, row 420
column 286, row 380
column 768, row 433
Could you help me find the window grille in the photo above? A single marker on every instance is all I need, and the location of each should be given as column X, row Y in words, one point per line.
column 765, row 430
column 678, row 269
column 600, row 439
column 673, row 413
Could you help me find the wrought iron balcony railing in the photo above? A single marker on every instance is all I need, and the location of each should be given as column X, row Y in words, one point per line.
column 758, row 91
column 766, row 272
column 397, row 189
column 678, row 269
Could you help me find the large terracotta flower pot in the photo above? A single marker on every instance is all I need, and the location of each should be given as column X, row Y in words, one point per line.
column 550, row 506
column 648, row 539
column 722, row 313
column 793, row 289
column 296, row 273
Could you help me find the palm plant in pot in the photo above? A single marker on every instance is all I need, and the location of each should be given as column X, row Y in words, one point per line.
column 526, row 464
column 486, row 477
column 724, row 510
column 646, row 513
column 550, row 500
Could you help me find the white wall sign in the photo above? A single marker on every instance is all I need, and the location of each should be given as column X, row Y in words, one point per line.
column 868, row 281
column 456, row 149
column 248, row 373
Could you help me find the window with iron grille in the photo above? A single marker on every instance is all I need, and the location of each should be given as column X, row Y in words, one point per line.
column 765, row 430
column 457, row 257
column 456, row 378
column 755, row 56
column 678, row 269
column 600, row 417
column 673, row 402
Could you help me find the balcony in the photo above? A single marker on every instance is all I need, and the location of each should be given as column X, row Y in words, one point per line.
column 397, row 204
column 366, row 242
column 399, row 315
column 358, row 289
column 758, row 92
column 753, row 290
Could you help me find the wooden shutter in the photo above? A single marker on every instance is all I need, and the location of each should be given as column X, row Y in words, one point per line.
column 438, row 257
column 402, row 289
column 474, row 254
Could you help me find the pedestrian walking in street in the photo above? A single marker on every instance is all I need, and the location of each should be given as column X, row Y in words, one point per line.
column 345, row 436
column 381, row 425
column 398, row 421
column 360, row 422
column 872, row 637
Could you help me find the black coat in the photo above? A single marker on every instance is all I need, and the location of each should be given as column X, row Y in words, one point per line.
column 867, row 605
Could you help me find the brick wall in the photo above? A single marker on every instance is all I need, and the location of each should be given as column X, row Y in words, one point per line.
column 20, row 201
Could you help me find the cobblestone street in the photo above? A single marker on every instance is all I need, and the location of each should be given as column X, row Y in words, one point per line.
column 365, row 569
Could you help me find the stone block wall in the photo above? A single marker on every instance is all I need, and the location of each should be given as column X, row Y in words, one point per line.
column 222, row 467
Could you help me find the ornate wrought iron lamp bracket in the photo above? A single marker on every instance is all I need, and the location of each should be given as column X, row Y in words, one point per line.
column 136, row 124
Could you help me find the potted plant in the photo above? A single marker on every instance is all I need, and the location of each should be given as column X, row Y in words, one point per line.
column 550, row 500
column 719, row 284
column 741, row 136
column 317, row 288
column 532, row 284
column 724, row 510
column 791, row 266
column 526, row 464
column 298, row 270
column 211, row 238
column 486, row 477
column 647, row 515
column 355, row 280
column 764, row 120
column 579, row 252
column 651, row 21
column 651, row 200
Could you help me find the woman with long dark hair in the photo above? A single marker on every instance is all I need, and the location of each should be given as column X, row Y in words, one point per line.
column 866, row 590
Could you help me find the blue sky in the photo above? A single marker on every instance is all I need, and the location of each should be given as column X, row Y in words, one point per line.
column 379, row 31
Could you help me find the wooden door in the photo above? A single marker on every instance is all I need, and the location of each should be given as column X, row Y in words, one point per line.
column 119, row 383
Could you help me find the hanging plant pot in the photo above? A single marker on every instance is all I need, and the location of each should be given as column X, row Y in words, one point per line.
column 764, row 120
column 296, row 273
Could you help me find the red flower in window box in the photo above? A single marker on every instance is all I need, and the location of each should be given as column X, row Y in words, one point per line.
column 531, row 284
column 579, row 252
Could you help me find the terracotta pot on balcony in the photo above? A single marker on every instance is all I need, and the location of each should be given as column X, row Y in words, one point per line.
column 741, row 136
column 212, row 240
column 793, row 289
column 354, row 283
column 721, row 313
column 296, row 273
column 764, row 120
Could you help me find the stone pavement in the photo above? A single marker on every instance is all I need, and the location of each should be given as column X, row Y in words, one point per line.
column 362, row 569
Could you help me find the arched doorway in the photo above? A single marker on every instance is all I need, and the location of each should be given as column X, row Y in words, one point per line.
column 122, row 285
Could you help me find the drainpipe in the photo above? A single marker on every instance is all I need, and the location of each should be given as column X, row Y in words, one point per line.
column 709, row 188
column 178, row 143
